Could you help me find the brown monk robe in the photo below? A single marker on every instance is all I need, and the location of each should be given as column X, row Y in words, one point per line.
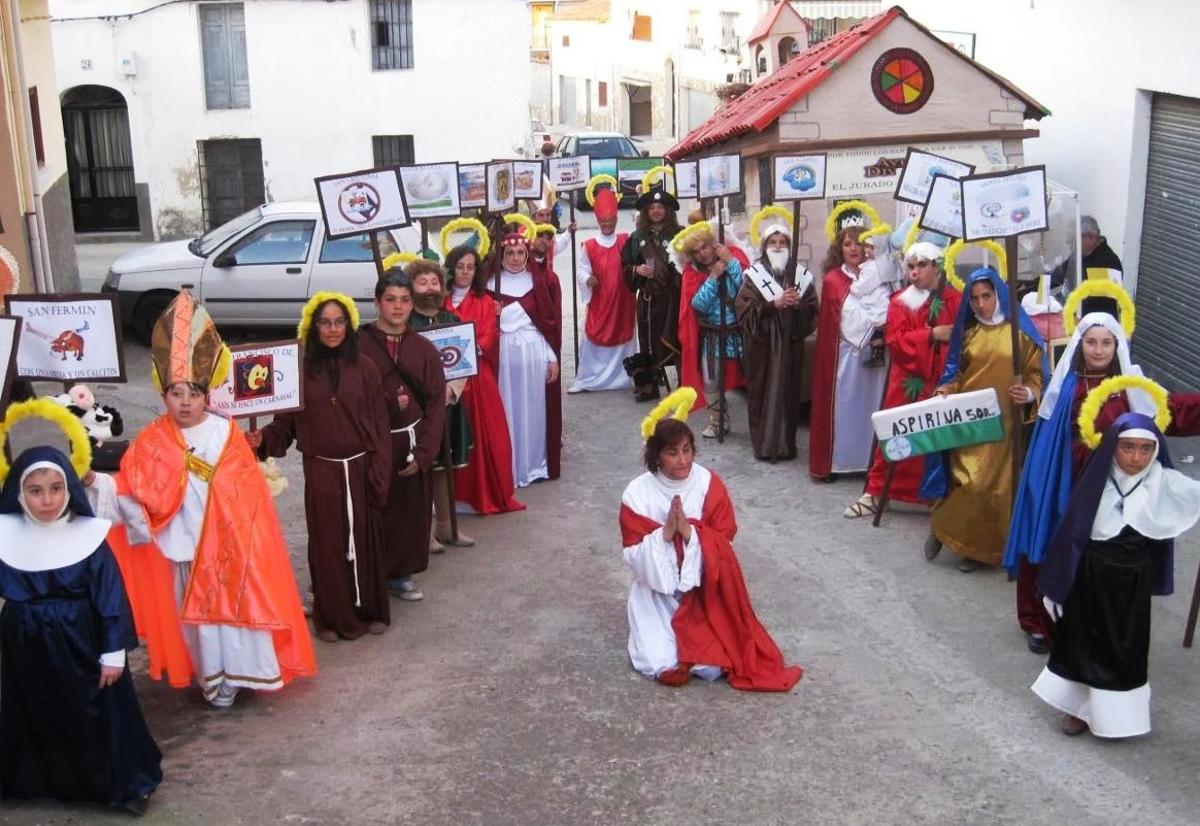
column 412, row 373
column 342, row 433
column 773, row 361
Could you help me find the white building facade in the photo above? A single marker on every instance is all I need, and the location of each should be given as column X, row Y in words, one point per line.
column 182, row 115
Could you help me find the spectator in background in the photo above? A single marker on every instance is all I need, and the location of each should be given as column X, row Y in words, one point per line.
column 1095, row 250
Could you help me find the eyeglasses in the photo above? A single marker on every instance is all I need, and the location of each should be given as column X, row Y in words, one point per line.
column 327, row 323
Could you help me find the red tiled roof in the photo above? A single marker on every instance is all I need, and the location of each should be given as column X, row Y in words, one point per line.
column 763, row 27
column 764, row 102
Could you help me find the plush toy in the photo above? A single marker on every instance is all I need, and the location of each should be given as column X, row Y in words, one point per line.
column 276, row 483
column 101, row 421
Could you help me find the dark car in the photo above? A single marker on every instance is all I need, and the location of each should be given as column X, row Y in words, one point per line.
column 603, row 148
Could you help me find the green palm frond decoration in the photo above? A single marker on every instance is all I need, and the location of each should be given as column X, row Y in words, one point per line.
column 913, row 386
column 935, row 308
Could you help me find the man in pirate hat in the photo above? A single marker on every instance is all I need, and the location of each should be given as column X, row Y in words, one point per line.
column 653, row 277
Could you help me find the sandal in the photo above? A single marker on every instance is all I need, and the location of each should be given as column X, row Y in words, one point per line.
column 865, row 505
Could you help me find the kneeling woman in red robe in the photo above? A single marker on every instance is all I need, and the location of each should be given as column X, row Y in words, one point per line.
column 689, row 611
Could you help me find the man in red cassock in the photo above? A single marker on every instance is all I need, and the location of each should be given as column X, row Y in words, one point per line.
column 608, row 335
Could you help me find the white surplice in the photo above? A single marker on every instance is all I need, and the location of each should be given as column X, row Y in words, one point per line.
column 524, row 357
column 228, row 655
column 858, row 391
column 659, row 581
column 600, row 367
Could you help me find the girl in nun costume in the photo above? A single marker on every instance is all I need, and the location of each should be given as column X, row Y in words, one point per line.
column 1112, row 552
column 70, row 722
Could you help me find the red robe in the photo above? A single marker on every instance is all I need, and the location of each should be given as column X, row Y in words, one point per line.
column 486, row 483
column 690, row 372
column 612, row 308
column 834, row 288
column 544, row 306
column 715, row 623
column 915, row 357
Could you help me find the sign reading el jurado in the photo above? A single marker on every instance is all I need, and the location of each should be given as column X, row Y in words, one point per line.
column 263, row 379
column 68, row 337
column 569, row 174
column 798, row 177
column 999, row 204
column 431, row 190
column 920, row 167
column 10, row 331
column 456, row 344
column 940, row 423
column 365, row 201
column 720, row 175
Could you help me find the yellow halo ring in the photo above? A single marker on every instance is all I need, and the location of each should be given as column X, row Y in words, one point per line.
column 878, row 229
column 958, row 246
column 319, row 298
column 1094, row 401
column 677, row 406
column 524, row 221
column 399, row 259
column 460, row 224
column 866, row 209
column 1091, row 288
column 771, row 211
column 56, row 414
column 590, row 192
column 914, row 232
column 681, row 237
column 538, row 229
column 662, row 171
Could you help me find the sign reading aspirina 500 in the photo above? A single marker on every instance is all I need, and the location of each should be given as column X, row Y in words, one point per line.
column 940, row 423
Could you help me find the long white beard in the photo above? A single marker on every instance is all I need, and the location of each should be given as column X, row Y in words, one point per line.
column 778, row 259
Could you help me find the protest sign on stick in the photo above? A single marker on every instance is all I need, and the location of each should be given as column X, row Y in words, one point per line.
column 68, row 337
column 264, row 379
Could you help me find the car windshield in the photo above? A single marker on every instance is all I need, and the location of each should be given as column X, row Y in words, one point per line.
column 618, row 147
column 212, row 239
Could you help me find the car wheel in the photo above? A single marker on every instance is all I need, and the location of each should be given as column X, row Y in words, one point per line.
column 149, row 307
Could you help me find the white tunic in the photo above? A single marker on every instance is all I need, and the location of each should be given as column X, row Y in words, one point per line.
column 659, row 582
column 221, row 654
column 600, row 367
column 858, row 391
column 524, row 356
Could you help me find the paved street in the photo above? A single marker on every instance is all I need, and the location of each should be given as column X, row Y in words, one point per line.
column 505, row 697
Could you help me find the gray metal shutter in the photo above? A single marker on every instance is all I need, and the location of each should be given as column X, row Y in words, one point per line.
column 1168, row 289
column 223, row 41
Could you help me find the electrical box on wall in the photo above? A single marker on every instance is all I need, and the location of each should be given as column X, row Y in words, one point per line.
column 129, row 64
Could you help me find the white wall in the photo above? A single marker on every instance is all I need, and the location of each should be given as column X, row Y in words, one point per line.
column 314, row 100
column 1094, row 65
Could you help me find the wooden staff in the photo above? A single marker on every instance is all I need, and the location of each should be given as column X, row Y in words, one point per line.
column 1014, row 309
column 424, row 236
column 448, row 469
column 574, row 283
column 1190, row 632
column 722, row 331
column 375, row 254
column 253, row 423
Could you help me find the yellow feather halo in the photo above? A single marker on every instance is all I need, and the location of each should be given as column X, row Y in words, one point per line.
column 1094, row 401
column 661, row 171
column 399, row 259
column 596, row 180
column 1092, row 288
column 523, row 221
column 875, row 231
column 310, row 309
column 866, row 209
column 698, row 228
column 910, row 237
column 772, row 211
column 958, row 246
column 538, row 229
column 677, row 405
column 460, row 224
column 56, row 414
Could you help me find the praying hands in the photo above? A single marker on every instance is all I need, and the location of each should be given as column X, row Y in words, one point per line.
column 677, row 523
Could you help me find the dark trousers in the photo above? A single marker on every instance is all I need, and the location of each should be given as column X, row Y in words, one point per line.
column 1031, row 614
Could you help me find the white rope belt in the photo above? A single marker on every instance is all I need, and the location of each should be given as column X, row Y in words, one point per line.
column 351, row 552
column 411, row 430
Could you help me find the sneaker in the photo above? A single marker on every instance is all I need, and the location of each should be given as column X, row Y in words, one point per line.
column 377, row 628
column 224, row 697
column 1038, row 644
column 709, row 432
column 405, row 589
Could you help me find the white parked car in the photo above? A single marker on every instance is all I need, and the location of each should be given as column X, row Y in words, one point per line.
column 257, row 270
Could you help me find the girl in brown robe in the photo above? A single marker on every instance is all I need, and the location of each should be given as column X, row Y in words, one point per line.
column 342, row 433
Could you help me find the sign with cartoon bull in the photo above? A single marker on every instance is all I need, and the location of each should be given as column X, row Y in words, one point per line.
column 68, row 337
column 263, row 379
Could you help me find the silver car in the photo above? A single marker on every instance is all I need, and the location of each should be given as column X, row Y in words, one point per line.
column 257, row 270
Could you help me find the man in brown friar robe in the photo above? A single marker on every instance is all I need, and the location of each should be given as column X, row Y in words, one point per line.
column 650, row 274
column 776, row 309
column 414, row 388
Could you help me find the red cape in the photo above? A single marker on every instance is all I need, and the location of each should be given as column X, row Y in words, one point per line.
column 715, row 623
column 690, row 373
column 486, row 483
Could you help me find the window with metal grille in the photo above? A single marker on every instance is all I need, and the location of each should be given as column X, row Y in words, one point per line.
column 691, row 40
column 393, row 150
column 231, row 178
column 641, row 27
column 821, row 28
column 729, row 38
column 391, row 34
column 223, row 43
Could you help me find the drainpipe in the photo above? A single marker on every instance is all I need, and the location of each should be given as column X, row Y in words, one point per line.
column 43, row 279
